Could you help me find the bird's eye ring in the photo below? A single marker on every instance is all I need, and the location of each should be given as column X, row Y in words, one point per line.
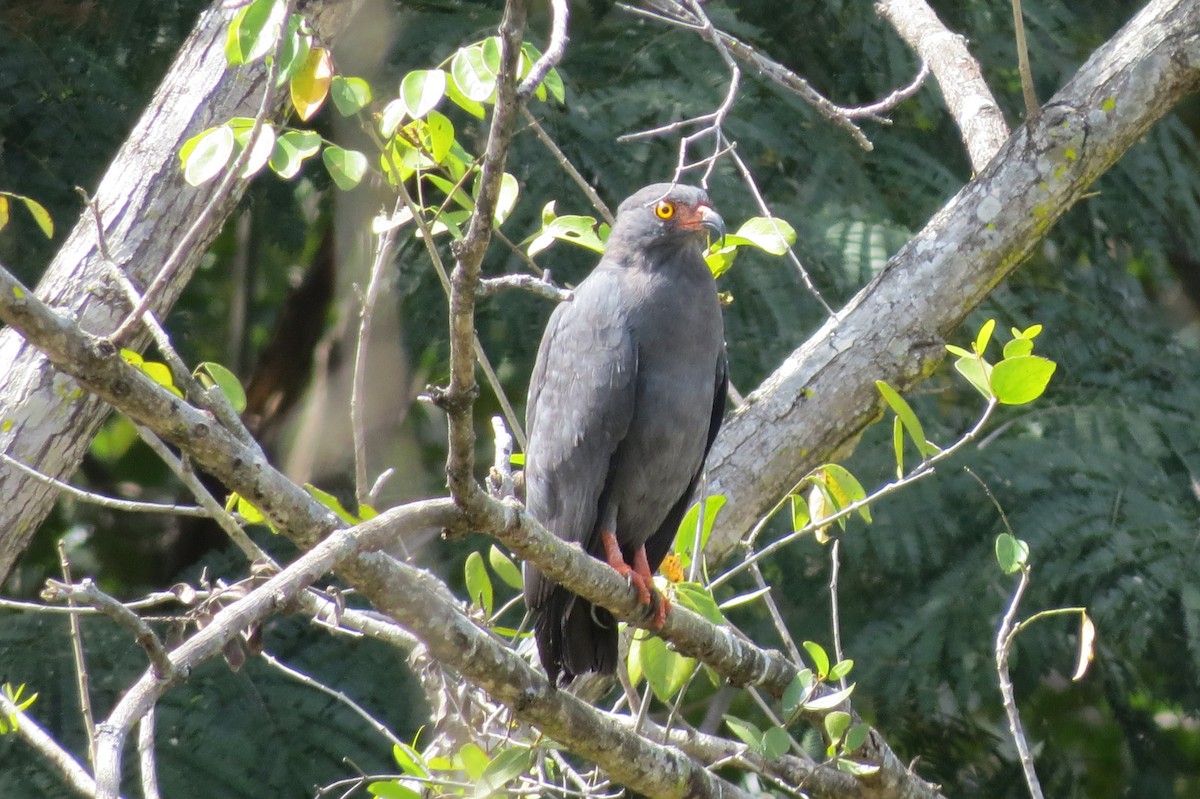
column 664, row 210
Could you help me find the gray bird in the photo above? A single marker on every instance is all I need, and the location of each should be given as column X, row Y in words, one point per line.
column 626, row 397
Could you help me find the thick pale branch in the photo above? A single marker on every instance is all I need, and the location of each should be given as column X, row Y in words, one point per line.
column 816, row 405
column 967, row 95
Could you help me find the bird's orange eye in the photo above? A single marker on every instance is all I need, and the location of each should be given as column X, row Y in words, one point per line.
column 664, row 210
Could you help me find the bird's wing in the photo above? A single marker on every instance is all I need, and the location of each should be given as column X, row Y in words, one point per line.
column 660, row 543
column 581, row 399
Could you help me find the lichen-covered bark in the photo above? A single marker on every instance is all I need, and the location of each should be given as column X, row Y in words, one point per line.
column 45, row 420
column 817, row 403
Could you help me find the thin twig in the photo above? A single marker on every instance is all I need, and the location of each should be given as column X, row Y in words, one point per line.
column 87, row 591
column 561, row 159
column 112, row 503
column 1032, row 109
column 1003, row 648
column 81, row 674
column 560, row 14
column 76, row 776
column 834, row 612
column 541, row 286
column 785, row 635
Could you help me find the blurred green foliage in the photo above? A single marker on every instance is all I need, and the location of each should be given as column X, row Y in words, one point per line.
column 1099, row 476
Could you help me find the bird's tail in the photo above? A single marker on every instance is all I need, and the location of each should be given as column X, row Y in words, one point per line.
column 574, row 637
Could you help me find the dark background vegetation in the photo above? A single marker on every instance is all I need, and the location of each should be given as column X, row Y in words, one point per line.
column 1100, row 476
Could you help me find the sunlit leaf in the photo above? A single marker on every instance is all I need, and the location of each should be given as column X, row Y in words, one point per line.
column 214, row 374
column 855, row 768
column 295, row 49
column 685, row 536
column 346, row 167
column 829, row 701
column 206, row 154
column 840, row 669
column 392, row 790
column 505, row 569
column 1087, row 646
column 504, row 768
column 1022, row 379
column 769, row 234
column 699, row 598
column 471, row 74
column 747, row 732
column 1011, row 553
column 475, row 761
column 479, row 584
column 836, row 724
column 800, row 514
column 254, row 31
column 410, row 760
column 845, row 488
column 665, row 670
column 331, row 502
column 856, row 736
column 798, row 690
column 310, row 87
column 911, row 424
column 977, row 372
column 350, row 95
column 984, row 337
column 1018, row 347
column 40, row 215
column 820, row 659
column 292, row 148
column 421, row 90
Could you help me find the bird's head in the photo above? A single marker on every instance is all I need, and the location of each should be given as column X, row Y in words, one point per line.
column 665, row 214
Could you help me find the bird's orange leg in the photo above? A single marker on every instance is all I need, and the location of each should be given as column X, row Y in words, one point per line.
column 612, row 553
column 641, row 566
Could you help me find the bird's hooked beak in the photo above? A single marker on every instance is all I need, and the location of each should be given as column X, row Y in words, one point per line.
column 711, row 221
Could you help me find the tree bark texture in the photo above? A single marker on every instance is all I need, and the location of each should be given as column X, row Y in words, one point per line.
column 46, row 421
column 815, row 406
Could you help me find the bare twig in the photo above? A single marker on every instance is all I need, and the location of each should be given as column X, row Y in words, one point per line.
column 76, row 776
column 87, row 591
column 1032, row 109
column 541, row 286
column 835, row 560
column 1003, row 649
column 81, row 674
column 561, row 159
column 112, row 503
column 560, row 14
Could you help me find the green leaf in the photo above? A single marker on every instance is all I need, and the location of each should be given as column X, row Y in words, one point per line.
column 769, row 234
column 254, row 30
column 907, row 418
column 819, row 658
column 798, row 690
column 720, row 258
column 800, row 515
column 1011, row 553
column 829, row 701
column 699, row 598
column 392, row 116
column 475, row 761
column 421, row 90
column 410, row 760
column 580, row 230
column 479, row 584
column 456, row 96
column 248, row 511
column 39, row 214
column 685, row 536
column 978, row 372
column 471, row 74
column 4, row 210
column 845, row 488
column 350, row 95
column 959, row 351
column 840, row 669
column 292, row 148
column 984, row 337
column 331, row 502
column 504, row 768
column 856, row 737
column 295, row 50
column 836, row 724
column 775, row 743
column 264, row 144
column 509, row 190
column 206, row 154
column 505, row 569
column 391, row 790
column 1022, row 379
column 346, row 167
column 1018, row 347
column 898, row 444
column 665, row 670
column 161, row 374
column 746, row 731
column 744, row 599
column 210, row 374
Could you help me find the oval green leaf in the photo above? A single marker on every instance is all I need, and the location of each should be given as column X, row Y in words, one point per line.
column 505, row 569
column 421, row 90
column 479, row 584
column 214, row 374
column 1022, row 379
column 346, row 167
column 206, row 154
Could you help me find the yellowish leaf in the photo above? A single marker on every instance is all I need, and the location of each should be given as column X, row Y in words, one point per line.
column 310, row 87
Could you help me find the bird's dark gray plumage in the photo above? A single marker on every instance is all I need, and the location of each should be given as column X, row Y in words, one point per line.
column 626, row 397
